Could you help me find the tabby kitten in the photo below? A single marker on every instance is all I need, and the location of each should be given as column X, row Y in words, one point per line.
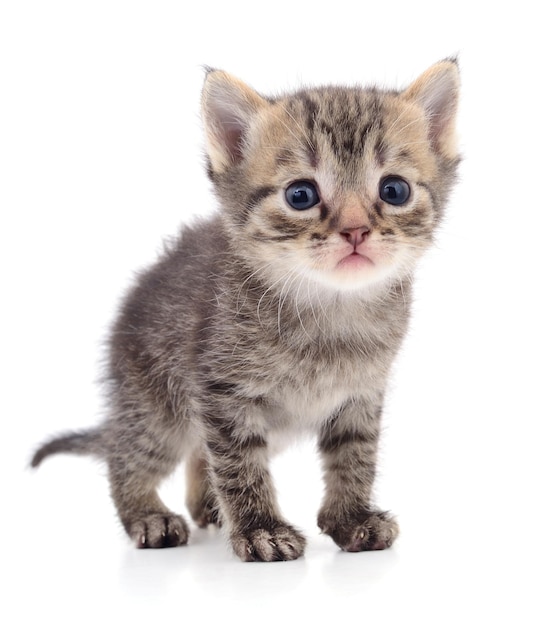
column 280, row 314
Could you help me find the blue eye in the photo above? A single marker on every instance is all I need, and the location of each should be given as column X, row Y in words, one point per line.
column 394, row 190
column 301, row 195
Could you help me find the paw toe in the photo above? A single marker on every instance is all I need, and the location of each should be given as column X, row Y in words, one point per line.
column 373, row 531
column 159, row 531
column 282, row 543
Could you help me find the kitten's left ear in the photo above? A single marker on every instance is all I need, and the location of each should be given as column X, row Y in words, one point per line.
column 437, row 92
column 228, row 108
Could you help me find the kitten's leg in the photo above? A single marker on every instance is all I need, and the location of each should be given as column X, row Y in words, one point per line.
column 200, row 498
column 138, row 461
column 348, row 447
column 242, row 482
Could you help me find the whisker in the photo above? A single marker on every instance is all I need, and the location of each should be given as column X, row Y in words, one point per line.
column 311, row 305
column 300, row 127
column 264, row 294
column 282, row 299
column 299, row 315
column 296, row 136
column 261, row 268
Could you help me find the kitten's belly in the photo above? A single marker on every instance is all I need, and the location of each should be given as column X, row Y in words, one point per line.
column 298, row 413
column 302, row 409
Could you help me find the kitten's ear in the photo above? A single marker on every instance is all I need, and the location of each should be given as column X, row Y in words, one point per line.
column 437, row 92
column 228, row 108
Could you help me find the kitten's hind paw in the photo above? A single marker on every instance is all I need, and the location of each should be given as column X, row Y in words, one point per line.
column 370, row 530
column 159, row 530
column 280, row 543
column 204, row 513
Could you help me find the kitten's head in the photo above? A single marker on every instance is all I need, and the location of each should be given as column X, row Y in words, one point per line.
column 343, row 186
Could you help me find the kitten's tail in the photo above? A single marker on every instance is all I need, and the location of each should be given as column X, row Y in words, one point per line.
column 82, row 442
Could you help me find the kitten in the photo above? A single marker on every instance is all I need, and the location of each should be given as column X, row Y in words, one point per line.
column 282, row 313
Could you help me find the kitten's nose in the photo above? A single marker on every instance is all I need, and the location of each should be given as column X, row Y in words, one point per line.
column 355, row 236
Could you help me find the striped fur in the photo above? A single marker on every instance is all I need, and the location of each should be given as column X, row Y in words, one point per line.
column 263, row 322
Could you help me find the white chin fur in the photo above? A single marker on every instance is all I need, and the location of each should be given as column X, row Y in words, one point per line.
column 310, row 282
column 345, row 279
column 315, row 284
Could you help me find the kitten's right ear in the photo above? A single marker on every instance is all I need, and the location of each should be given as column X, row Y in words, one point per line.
column 228, row 108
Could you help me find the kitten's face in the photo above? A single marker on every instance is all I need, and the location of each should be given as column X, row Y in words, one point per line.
column 340, row 186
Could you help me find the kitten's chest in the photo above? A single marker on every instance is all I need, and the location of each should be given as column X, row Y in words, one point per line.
column 304, row 370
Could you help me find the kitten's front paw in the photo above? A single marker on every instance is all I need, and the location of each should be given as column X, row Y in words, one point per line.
column 279, row 543
column 159, row 530
column 369, row 530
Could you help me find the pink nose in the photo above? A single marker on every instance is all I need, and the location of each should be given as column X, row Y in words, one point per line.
column 355, row 236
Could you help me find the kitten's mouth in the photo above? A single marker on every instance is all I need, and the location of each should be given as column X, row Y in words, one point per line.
column 354, row 261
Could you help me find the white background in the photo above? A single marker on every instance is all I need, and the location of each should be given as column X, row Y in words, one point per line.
column 100, row 159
